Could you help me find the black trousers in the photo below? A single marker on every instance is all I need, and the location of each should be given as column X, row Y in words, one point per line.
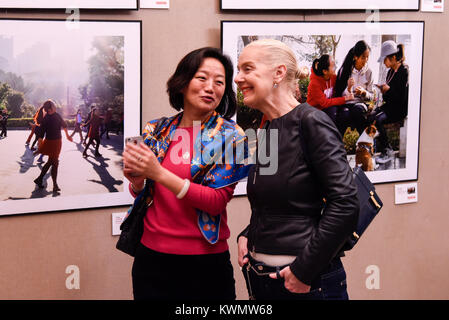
column 160, row 276
column 340, row 116
column 382, row 119
column 330, row 284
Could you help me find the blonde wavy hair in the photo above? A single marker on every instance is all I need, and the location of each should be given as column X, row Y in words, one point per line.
column 278, row 53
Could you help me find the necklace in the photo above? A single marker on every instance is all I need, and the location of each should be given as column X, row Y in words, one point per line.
column 388, row 80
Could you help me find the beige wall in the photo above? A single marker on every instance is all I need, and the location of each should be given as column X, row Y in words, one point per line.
column 409, row 243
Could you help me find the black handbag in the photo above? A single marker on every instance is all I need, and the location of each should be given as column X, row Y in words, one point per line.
column 369, row 202
column 132, row 226
column 370, row 205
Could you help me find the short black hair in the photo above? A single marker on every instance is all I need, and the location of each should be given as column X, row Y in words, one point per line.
column 323, row 63
column 185, row 72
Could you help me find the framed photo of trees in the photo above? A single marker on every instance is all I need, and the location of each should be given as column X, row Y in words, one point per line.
column 321, row 4
column 92, row 74
column 63, row 4
column 311, row 40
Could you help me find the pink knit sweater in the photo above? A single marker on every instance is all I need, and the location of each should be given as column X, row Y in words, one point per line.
column 170, row 225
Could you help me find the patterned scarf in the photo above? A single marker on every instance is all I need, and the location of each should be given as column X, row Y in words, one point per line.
column 219, row 153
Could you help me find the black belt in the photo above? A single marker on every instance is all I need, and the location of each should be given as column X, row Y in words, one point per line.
column 262, row 269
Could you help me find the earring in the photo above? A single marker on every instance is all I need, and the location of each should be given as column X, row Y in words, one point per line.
column 275, row 85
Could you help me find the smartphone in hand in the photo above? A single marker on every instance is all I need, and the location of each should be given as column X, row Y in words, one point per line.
column 136, row 141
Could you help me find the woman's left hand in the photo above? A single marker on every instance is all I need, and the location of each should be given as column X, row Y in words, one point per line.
column 139, row 159
column 291, row 283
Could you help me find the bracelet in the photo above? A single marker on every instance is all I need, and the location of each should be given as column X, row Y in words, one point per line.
column 184, row 189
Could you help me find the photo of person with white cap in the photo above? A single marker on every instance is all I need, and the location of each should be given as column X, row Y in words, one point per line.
column 394, row 95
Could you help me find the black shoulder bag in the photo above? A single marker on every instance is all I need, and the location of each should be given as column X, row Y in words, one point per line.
column 132, row 226
column 369, row 201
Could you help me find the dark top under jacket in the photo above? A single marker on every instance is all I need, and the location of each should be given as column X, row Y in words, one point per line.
column 396, row 98
column 287, row 217
column 51, row 125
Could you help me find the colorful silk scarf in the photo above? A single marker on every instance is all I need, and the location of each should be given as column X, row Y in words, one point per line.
column 220, row 152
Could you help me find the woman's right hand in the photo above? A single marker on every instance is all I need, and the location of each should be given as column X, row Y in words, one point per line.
column 242, row 250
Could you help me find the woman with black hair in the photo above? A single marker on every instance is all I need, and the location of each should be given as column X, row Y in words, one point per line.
column 355, row 77
column 394, row 94
column 321, row 89
column 183, row 253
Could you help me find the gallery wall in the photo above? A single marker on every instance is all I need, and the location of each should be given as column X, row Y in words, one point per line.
column 403, row 255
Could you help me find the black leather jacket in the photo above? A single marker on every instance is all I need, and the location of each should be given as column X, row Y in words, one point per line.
column 287, row 207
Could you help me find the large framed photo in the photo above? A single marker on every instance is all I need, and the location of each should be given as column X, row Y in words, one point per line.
column 311, row 40
column 321, row 4
column 63, row 4
column 91, row 72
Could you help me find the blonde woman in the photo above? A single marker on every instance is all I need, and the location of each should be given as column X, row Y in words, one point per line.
column 290, row 250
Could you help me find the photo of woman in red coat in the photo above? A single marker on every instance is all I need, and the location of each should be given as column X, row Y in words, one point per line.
column 321, row 88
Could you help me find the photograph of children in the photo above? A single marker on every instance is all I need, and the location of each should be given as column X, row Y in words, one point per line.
column 68, row 97
column 366, row 79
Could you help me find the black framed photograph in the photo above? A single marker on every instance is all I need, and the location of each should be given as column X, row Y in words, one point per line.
column 312, row 40
column 82, row 77
column 64, row 4
column 320, row 4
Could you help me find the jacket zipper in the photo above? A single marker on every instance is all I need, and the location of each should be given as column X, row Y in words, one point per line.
column 256, row 170
column 255, row 173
